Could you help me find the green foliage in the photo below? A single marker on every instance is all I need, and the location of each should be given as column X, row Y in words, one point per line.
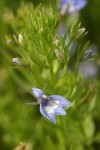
column 33, row 43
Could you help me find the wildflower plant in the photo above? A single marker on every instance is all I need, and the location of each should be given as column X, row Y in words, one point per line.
column 41, row 71
column 42, row 59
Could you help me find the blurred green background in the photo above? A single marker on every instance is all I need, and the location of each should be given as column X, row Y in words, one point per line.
column 20, row 123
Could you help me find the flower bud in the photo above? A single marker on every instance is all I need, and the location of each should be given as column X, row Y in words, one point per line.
column 56, row 42
column 20, row 38
column 16, row 60
column 80, row 33
column 59, row 54
column 87, row 55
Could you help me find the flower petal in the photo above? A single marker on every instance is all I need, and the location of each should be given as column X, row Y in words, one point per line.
column 50, row 116
column 63, row 102
column 38, row 93
column 54, row 107
column 71, row 6
column 60, row 111
column 76, row 6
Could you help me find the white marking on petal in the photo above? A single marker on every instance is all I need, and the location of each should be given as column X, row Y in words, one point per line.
column 52, row 106
column 54, row 103
column 57, row 102
column 49, row 109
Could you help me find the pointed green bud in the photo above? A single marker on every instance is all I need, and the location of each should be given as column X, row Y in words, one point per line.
column 80, row 33
column 20, row 38
column 59, row 54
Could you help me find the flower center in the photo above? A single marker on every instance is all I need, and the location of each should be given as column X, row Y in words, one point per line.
column 45, row 100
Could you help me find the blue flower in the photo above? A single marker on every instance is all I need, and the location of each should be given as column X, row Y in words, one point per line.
column 71, row 6
column 51, row 105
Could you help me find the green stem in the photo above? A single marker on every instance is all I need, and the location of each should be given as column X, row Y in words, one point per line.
column 65, row 70
column 51, row 70
column 76, row 71
column 75, row 77
column 68, row 43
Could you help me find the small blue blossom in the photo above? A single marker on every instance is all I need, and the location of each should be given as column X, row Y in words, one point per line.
column 51, row 105
column 71, row 6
